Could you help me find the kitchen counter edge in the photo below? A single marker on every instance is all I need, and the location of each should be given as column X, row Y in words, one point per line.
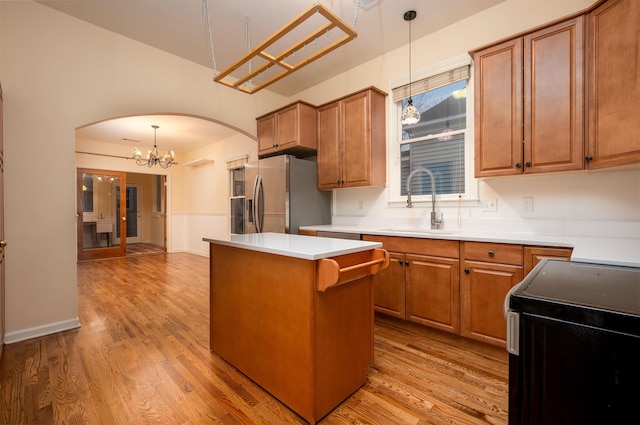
column 598, row 249
column 297, row 246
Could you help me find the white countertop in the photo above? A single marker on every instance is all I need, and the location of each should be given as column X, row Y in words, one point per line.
column 305, row 247
column 592, row 249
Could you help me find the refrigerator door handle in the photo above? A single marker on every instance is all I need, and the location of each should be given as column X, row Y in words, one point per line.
column 258, row 201
column 250, row 211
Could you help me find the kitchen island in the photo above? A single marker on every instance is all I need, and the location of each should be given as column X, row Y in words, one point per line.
column 295, row 314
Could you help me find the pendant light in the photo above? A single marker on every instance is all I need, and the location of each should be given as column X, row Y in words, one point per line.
column 410, row 114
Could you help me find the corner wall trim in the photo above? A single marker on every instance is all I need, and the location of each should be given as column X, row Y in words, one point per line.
column 51, row 328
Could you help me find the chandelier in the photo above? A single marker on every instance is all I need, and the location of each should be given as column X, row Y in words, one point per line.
column 153, row 157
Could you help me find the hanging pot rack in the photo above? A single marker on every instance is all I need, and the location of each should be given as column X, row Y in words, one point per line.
column 333, row 21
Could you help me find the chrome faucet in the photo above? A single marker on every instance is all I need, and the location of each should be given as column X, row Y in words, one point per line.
column 436, row 223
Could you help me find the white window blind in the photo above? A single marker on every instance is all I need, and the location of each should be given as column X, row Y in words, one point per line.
column 444, row 158
column 432, row 82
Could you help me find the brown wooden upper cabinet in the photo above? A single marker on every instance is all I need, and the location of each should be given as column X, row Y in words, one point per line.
column 291, row 129
column 529, row 102
column 352, row 141
column 613, row 55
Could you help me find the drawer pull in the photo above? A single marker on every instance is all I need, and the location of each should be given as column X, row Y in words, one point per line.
column 491, row 254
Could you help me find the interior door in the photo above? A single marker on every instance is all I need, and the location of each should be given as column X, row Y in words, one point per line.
column 133, row 212
column 3, row 243
column 99, row 220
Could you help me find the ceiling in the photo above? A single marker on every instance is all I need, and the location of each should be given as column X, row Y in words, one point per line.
column 175, row 132
column 178, row 27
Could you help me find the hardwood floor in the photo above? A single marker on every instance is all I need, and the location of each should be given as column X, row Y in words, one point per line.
column 141, row 356
column 144, row 249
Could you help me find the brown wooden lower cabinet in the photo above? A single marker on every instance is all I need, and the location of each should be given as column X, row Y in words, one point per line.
column 489, row 271
column 389, row 287
column 484, row 288
column 433, row 288
column 533, row 255
column 421, row 283
column 455, row 286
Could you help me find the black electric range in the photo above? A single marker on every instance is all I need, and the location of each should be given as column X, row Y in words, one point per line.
column 573, row 334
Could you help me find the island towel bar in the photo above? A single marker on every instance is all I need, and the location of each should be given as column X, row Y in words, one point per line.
column 330, row 273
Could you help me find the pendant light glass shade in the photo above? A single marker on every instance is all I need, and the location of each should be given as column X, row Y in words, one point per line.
column 410, row 114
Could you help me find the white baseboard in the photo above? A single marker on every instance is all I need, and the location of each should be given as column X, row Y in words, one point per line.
column 202, row 254
column 51, row 328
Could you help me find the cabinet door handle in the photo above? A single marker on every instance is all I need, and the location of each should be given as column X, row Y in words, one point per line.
column 527, row 164
column 491, row 254
column 588, row 158
column 518, row 165
column 466, row 271
column 400, row 262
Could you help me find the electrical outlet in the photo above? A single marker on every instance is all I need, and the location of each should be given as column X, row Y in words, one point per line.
column 490, row 205
column 527, row 204
column 360, row 205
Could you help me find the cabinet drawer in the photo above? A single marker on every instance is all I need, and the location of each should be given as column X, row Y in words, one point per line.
column 425, row 246
column 493, row 252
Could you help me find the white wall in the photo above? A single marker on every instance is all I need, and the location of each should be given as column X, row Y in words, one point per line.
column 206, row 208
column 59, row 73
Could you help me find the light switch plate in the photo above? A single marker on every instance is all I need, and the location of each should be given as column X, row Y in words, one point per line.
column 490, row 205
column 527, row 204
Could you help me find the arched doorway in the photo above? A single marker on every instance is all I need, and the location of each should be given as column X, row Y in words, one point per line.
column 168, row 220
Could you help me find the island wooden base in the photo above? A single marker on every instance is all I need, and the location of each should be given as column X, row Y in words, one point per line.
column 310, row 349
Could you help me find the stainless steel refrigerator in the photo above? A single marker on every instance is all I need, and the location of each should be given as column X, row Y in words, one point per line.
column 281, row 194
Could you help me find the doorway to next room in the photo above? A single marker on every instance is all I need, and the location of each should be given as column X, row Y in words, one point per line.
column 120, row 214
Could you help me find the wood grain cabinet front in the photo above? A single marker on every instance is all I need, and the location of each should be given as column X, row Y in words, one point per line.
column 455, row 286
column 352, row 141
column 533, row 92
column 291, row 129
column 433, row 291
column 303, row 331
column 421, row 283
column 529, row 102
column 389, row 287
column 533, row 255
column 613, row 87
column 489, row 271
